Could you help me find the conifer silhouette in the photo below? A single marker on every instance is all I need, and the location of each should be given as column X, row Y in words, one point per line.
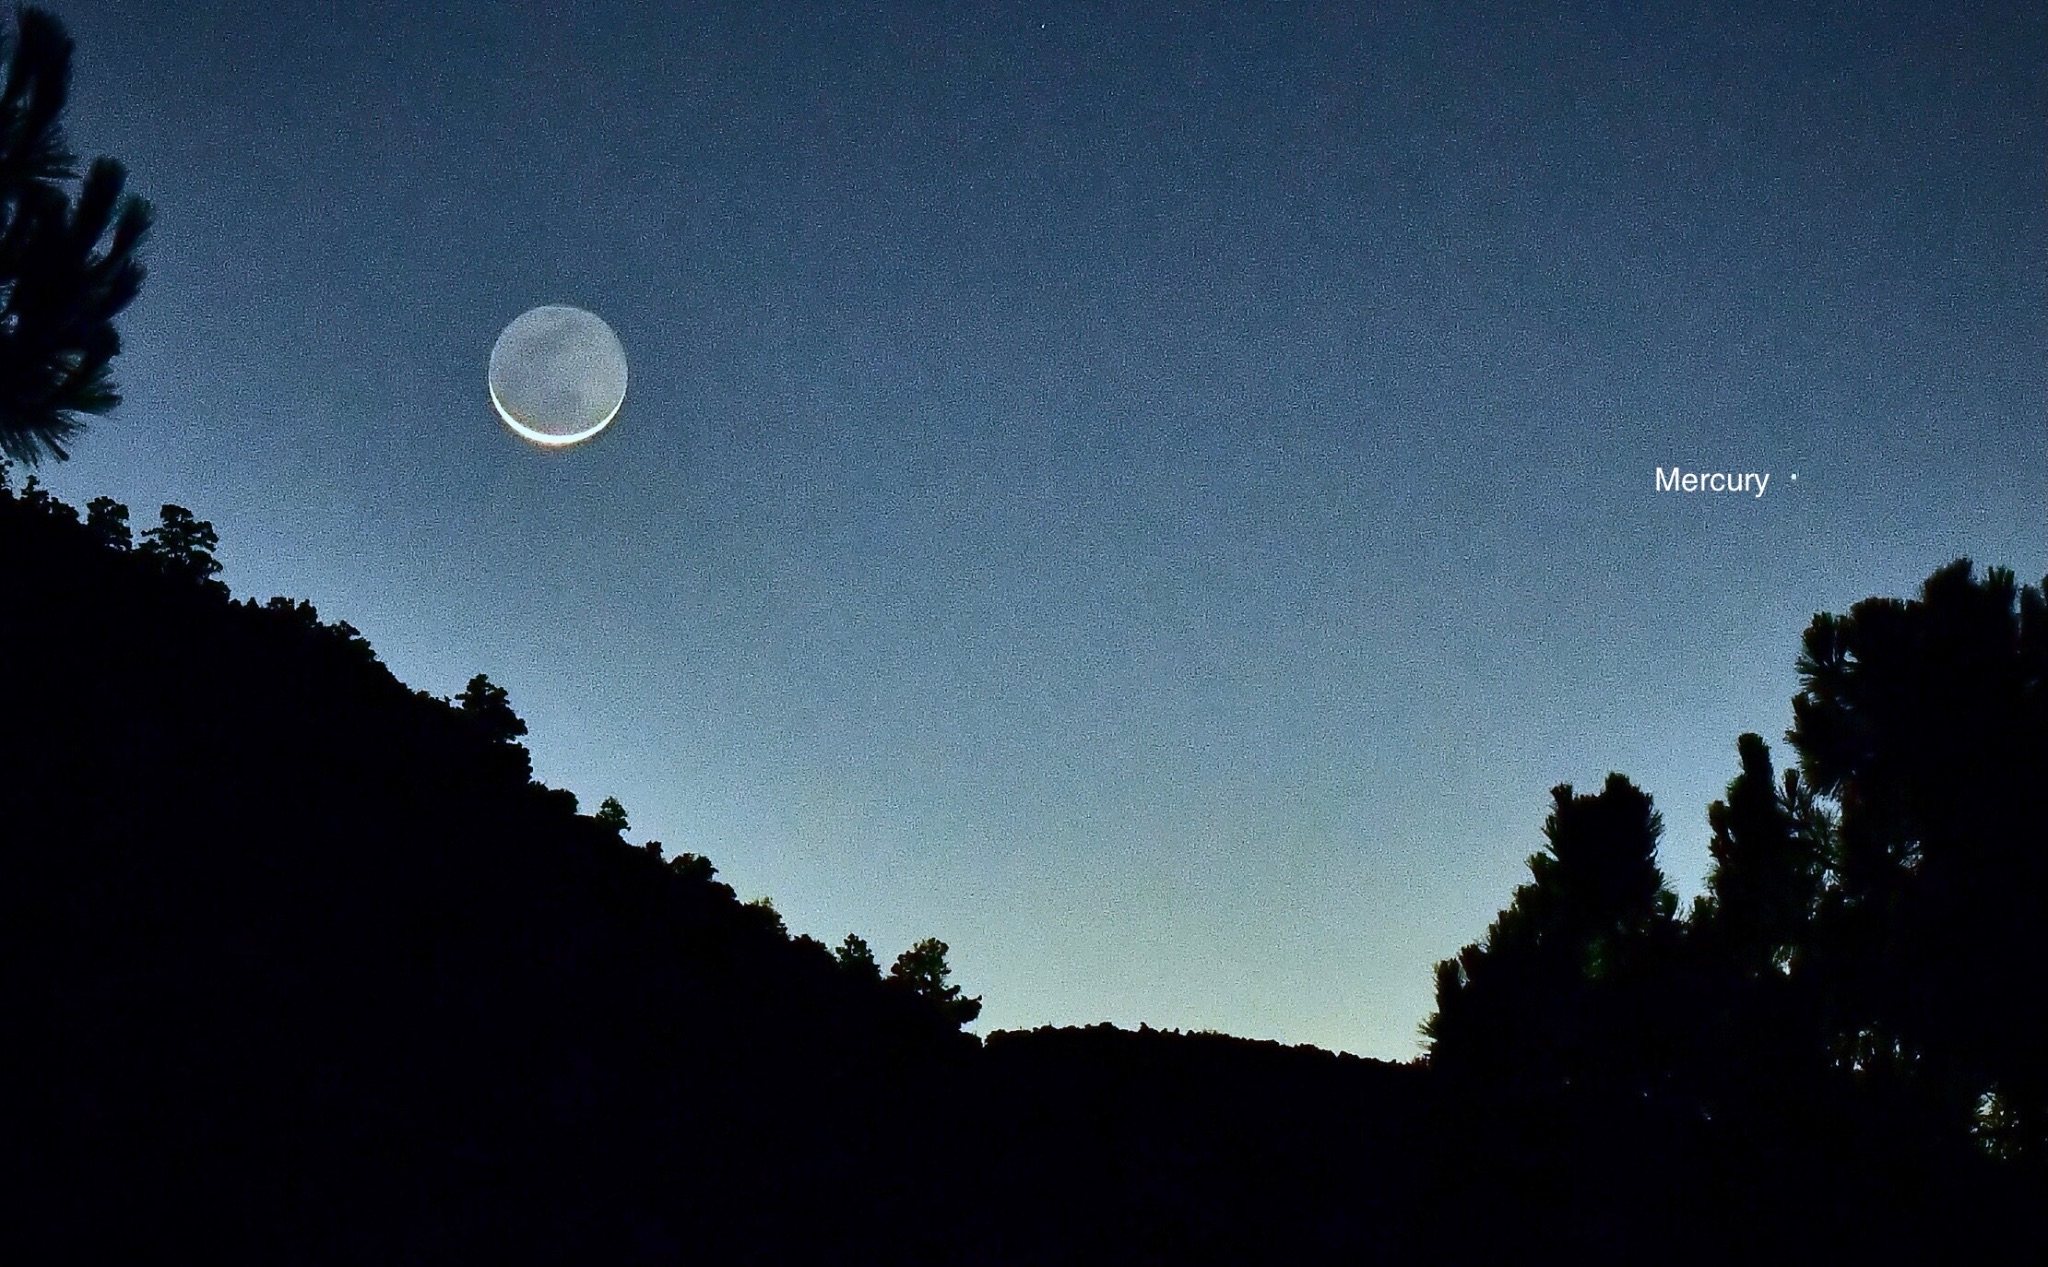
column 1533, row 1003
column 68, row 262
column 1926, row 720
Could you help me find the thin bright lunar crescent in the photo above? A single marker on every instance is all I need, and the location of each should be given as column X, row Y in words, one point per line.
column 558, row 375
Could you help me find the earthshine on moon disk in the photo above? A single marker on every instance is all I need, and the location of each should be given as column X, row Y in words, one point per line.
column 558, row 375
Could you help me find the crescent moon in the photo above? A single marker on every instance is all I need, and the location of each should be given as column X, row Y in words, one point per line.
column 557, row 376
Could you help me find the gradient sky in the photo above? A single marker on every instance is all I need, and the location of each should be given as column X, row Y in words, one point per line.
column 1154, row 495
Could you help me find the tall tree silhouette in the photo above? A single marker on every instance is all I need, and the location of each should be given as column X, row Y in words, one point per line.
column 180, row 544
column 1769, row 852
column 107, row 521
column 1927, row 721
column 60, row 287
column 856, row 956
column 490, row 707
column 922, row 970
column 1552, row 997
column 1757, row 1053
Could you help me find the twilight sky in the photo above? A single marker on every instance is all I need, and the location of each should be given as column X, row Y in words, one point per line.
column 1152, row 494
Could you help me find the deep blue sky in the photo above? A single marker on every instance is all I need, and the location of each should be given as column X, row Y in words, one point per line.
column 1153, row 495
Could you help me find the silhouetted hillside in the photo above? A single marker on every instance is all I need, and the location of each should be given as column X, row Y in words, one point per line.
column 1171, row 1148
column 296, row 952
column 305, row 966
column 300, row 965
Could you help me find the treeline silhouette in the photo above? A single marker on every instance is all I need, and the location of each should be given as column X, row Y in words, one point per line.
column 301, row 965
column 1841, row 1046
column 293, row 948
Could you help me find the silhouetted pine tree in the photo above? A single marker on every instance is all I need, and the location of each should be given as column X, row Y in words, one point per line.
column 1769, row 851
column 1555, row 1046
column 1756, row 1057
column 60, row 288
column 1927, row 722
column 107, row 520
column 1548, row 999
column 922, row 970
column 856, row 956
column 181, row 545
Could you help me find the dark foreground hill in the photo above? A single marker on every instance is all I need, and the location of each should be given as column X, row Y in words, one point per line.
column 299, row 965
column 302, row 958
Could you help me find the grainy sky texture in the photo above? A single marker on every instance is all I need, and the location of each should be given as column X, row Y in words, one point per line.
column 1154, row 495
